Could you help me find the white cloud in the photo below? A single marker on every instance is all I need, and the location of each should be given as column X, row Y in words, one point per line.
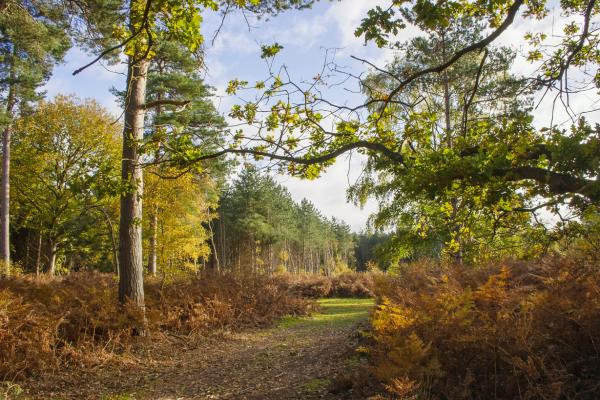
column 234, row 42
column 347, row 16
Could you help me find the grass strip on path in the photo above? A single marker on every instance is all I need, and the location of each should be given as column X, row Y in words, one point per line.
column 335, row 313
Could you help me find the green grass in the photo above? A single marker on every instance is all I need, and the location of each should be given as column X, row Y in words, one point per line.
column 118, row 397
column 316, row 385
column 335, row 313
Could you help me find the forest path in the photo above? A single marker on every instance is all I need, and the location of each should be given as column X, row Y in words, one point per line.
column 297, row 359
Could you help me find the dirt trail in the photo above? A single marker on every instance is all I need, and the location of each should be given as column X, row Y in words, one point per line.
column 297, row 359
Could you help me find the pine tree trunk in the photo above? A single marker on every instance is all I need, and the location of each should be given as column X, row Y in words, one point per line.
column 153, row 242
column 270, row 267
column 450, row 142
column 225, row 256
column 131, row 283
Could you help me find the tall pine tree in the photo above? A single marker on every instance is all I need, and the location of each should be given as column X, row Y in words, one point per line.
column 32, row 40
column 184, row 118
column 137, row 27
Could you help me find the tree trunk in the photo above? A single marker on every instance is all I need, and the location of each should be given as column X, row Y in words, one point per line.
column 51, row 257
column 131, row 284
column 115, row 250
column 217, row 266
column 70, row 264
column 5, row 189
column 225, row 255
column 39, row 255
column 153, row 242
column 450, row 142
column 26, row 259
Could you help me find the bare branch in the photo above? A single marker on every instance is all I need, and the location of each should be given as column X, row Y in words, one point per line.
column 469, row 102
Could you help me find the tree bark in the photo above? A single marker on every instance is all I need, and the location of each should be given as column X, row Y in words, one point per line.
column 217, row 266
column 51, row 257
column 153, row 242
column 5, row 184
column 111, row 232
column 131, row 284
column 39, row 255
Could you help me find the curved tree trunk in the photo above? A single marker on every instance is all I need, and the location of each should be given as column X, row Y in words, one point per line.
column 131, row 284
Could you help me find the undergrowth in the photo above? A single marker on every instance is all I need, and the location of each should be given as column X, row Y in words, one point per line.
column 46, row 324
column 512, row 330
column 347, row 284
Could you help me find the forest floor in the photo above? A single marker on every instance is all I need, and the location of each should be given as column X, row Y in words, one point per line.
column 299, row 358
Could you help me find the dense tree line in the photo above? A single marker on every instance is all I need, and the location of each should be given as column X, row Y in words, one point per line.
column 261, row 229
column 66, row 186
column 369, row 251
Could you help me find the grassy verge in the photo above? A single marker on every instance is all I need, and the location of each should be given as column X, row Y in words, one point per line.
column 335, row 313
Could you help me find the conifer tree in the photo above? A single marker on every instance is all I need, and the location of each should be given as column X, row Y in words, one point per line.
column 137, row 28
column 190, row 122
column 32, row 40
column 451, row 112
column 261, row 228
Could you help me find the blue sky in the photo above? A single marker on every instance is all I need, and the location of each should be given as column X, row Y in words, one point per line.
column 306, row 36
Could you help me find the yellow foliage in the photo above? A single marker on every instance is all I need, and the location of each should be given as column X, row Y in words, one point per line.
column 388, row 318
column 181, row 206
